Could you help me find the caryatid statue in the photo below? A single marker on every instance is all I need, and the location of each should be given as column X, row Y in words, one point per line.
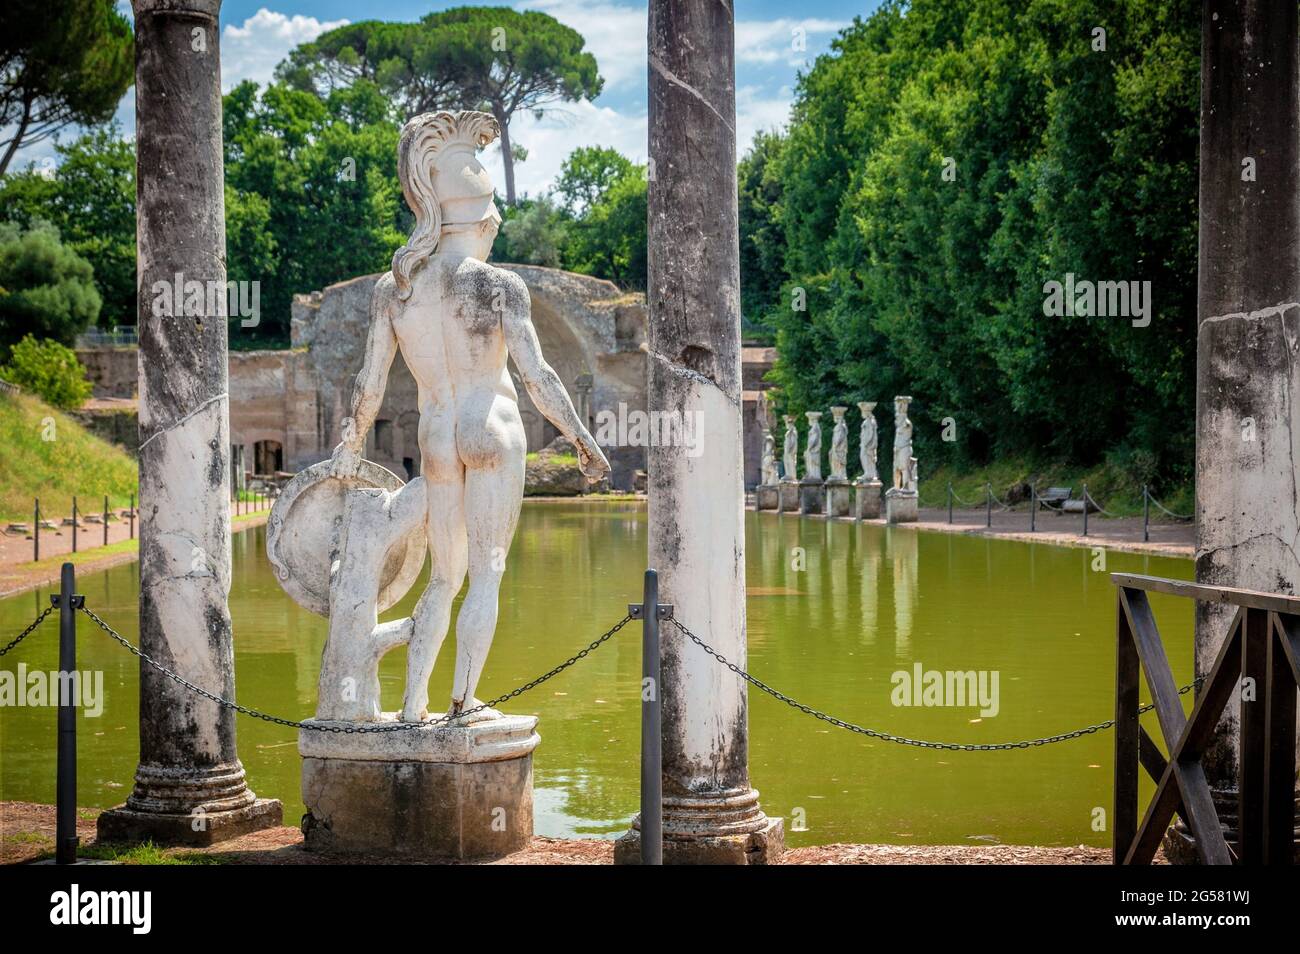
column 839, row 445
column 904, row 468
column 812, row 455
column 791, row 449
column 769, row 476
column 867, row 438
column 457, row 321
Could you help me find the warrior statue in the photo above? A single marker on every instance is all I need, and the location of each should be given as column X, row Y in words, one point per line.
column 457, row 321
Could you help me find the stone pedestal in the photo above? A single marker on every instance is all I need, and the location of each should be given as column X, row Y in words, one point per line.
column 866, row 500
column 788, row 496
column 839, row 495
column 200, row 807
column 767, row 497
column 428, row 793
column 812, row 496
column 722, row 829
column 900, row 506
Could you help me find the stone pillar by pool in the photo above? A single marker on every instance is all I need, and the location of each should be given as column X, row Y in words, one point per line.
column 1247, row 384
column 812, row 489
column 696, row 505
column 189, row 785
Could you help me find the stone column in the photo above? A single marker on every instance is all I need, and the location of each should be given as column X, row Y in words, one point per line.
column 838, row 489
column 866, row 489
column 189, row 786
column 812, row 489
column 696, row 505
column 1247, row 379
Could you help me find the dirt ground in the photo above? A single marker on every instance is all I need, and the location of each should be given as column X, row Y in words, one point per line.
column 19, row 573
column 27, row 833
column 1115, row 533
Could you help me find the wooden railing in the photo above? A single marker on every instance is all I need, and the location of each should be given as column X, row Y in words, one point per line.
column 1262, row 645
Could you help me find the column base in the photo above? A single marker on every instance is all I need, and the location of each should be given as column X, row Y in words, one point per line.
column 839, row 494
column 812, row 496
column 762, row 847
column 198, row 829
column 434, row 793
column 171, row 805
column 901, row 506
column 788, row 496
column 866, row 500
column 767, row 497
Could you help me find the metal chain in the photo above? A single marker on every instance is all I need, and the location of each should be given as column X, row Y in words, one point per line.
column 903, row 740
column 28, row 631
column 1176, row 516
column 1100, row 509
column 352, row 729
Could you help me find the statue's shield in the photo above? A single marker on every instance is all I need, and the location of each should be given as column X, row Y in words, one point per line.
column 306, row 524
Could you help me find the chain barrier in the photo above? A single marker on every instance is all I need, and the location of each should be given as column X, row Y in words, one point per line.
column 353, row 729
column 899, row 739
column 31, row 628
column 1176, row 516
column 994, row 497
column 1087, row 497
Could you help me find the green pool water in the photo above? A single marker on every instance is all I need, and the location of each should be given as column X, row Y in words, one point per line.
column 835, row 610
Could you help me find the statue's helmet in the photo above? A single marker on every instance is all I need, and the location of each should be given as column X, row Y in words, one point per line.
column 444, row 183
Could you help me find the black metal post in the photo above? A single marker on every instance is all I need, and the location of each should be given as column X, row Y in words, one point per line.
column 74, row 524
column 988, row 505
column 652, row 778
column 950, row 501
column 105, row 519
column 1033, row 507
column 36, row 530
column 1146, row 514
column 1085, row 509
column 65, row 844
column 131, row 516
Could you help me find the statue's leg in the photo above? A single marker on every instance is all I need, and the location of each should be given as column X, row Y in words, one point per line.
column 492, row 499
column 448, row 554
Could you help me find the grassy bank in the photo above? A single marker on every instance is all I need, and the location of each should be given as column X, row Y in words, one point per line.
column 49, row 455
column 1116, row 490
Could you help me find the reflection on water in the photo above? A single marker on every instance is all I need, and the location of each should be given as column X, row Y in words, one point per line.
column 834, row 610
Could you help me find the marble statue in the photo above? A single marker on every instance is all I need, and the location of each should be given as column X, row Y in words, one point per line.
column 867, row 437
column 791, row 449
column 812, row 455
column 903, row 466
column 456, row 321
column 769, row 474
column 839, row 445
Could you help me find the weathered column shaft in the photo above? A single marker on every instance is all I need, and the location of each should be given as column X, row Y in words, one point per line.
column 188, row 762
column 1248, row 378
column 696, row 506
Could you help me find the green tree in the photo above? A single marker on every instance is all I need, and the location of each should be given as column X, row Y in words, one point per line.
column 609, row 240
column 533, row 232
column 492, row 58
column 48, row 369
column 586, row 175
column 69, row 64
column 46, row 289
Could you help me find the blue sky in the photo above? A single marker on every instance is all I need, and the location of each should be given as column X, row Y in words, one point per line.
column 256, row 35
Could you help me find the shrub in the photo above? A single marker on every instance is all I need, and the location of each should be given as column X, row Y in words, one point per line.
column 48, row 369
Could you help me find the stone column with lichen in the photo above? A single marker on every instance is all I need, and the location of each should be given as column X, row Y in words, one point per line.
column 189, row 785
column 696, row 501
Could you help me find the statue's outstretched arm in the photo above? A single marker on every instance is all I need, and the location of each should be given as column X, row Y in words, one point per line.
column 368, row 392
column 543, row 384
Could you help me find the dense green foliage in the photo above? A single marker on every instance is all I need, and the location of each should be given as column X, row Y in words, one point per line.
column 1065, row 158
column 491, row 58
column 90, row 198
column 70, row 62
column 48, row 369
column 46, row 289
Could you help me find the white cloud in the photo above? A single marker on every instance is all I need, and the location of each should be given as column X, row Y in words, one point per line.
column 615, row 35
column 252, row 51
column 550, row 140
column 779, row 41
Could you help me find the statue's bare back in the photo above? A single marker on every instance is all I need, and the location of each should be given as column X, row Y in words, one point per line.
column 457, row 321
